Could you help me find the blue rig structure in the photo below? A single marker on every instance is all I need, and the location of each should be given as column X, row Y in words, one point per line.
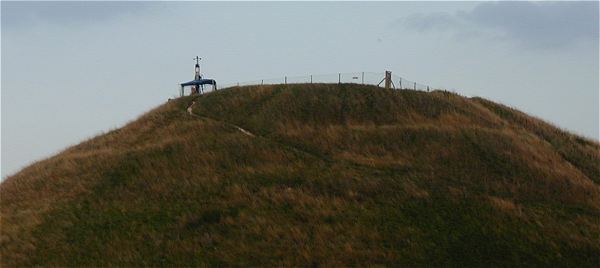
column 197, row 85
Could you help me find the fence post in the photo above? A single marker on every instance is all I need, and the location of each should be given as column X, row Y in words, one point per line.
column 339, row 78
column 286, row 80
column 427, row 88
column 363, row 78
column 400, row 82
column 388, row 79
column 415, row 85
column 311, row 78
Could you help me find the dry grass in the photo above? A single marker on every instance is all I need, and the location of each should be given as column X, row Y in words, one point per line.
column 338, row 175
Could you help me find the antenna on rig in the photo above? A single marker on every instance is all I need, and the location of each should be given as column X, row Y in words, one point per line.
column 197, row 69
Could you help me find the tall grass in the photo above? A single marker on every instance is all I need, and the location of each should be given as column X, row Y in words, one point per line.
column 337, row 175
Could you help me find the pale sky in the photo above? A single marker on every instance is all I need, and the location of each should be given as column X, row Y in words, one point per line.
column 73, row 70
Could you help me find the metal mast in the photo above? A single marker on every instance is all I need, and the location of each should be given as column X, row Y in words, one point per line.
column 197, row 75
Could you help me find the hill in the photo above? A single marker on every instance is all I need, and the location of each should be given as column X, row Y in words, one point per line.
column 322, row 175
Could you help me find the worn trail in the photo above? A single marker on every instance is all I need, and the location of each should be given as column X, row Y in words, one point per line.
column 245, row 132
column 286, row 145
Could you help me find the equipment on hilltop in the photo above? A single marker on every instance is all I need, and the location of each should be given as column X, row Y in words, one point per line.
column 197, row 85
column 388, row 80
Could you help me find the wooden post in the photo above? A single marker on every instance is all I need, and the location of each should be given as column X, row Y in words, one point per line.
column 362, row 79
column 415, row 85
column 286, row 80
column 400, row 82
column 388, row 79
column 339, row 78
column 311, row 78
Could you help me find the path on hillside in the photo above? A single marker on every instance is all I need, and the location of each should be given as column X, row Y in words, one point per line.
column 245, row 132
column 286, row 145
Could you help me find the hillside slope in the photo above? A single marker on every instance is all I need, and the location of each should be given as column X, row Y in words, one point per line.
column 334, row 175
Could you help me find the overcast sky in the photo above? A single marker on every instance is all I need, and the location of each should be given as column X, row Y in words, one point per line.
column 72, row 70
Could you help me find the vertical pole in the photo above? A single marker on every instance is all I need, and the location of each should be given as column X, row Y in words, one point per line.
column 286, row 80
column 400, row 81
column 238, row 84
column 427, row 88
column 339, row 78
column 311, row 78
column 415, row 85
column 363, row 78
column 261, row 82
column 388, row 79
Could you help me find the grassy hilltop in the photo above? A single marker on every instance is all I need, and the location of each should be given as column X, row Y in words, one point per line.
column 335, row 175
